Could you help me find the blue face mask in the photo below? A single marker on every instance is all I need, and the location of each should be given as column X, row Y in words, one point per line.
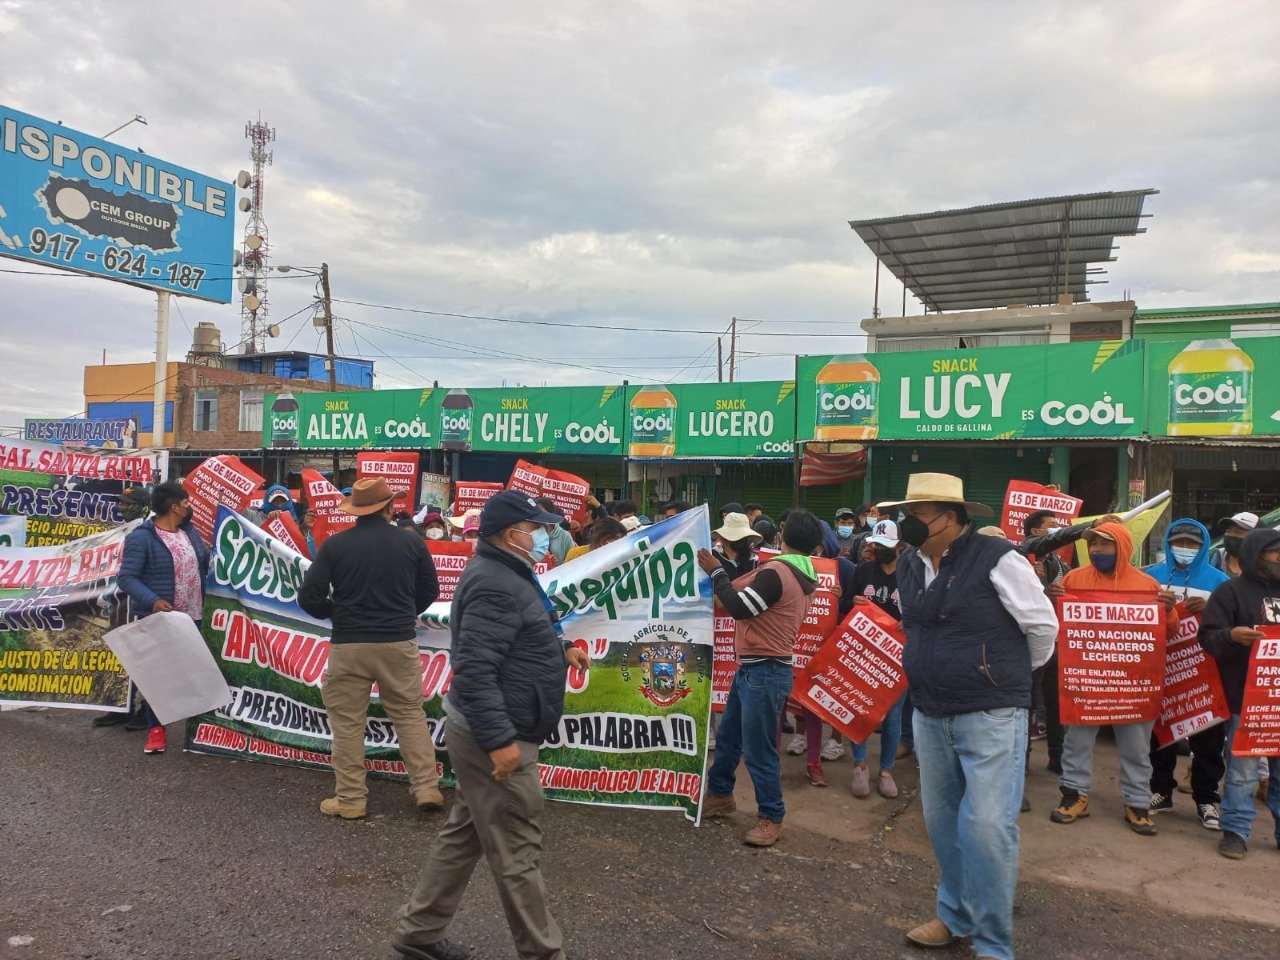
column 1103, row 562
column 1183, row 556
column 541, row 544
column 844, row 531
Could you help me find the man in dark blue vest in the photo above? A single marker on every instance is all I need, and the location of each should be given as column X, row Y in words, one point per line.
column 977, row 621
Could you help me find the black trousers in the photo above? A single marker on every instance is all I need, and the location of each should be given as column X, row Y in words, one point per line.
column 1207, row 765
column 1048, row 677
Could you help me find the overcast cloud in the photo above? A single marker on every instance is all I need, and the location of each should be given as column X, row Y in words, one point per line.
column 645, row 165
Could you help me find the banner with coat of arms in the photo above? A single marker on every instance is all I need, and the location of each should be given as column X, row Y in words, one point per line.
column 635, row 726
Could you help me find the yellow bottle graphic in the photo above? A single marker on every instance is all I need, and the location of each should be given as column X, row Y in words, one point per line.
column 1211, row 391
column 848, row 400
column 653, row 423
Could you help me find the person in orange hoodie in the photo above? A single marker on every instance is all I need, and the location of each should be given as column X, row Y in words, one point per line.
column 1110, row 568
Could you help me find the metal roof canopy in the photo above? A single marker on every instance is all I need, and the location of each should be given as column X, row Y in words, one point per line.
column 1027, row 252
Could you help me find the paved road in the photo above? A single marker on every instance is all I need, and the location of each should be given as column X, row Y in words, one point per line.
column 106, row 854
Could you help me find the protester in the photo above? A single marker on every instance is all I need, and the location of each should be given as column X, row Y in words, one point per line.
column 599, row 534
column 770, row 605
column 162, row 569
column 469, row 522
column 754, row 511
column 1234, row 529
column 876, row 582
column 1186, row 573
column 404, row 520
column 1228, row 632
column 674, row 508
column 621, row 509
column 561, row 540
column 731, row 507
column 506, row 697
column 434, row 527
column 735, row 548
column 848, row 529
column 977, row 622
column 278, row 498
column 1110, row 568
column 372, row 580
column 768, row 531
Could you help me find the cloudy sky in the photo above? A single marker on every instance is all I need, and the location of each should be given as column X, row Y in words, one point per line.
column 646, row 166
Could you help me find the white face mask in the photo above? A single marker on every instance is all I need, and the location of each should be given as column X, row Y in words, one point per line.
column 435, row 533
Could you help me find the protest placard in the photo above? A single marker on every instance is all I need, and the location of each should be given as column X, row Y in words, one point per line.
column 1259, row 731
column 1193, row 699
column 1111, row 653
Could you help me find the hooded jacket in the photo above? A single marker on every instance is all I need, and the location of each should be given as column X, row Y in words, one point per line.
column 1249, row 600
column 289, row 506
column 1125, row 576
column 1199, row 579
column 769, row 605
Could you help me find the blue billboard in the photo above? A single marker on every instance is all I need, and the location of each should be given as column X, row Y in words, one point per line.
column 76, row 202
column 117, row 433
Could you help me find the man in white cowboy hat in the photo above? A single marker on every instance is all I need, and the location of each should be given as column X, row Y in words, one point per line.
column 372, row 580
column 977, row 621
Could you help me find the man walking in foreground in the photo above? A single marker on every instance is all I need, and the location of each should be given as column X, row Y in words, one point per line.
column 506, row 697
column 372, row 581
column 977, row 621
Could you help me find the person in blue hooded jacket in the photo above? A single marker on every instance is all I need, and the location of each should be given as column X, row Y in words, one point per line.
column 279, row 498
column 1188, row 575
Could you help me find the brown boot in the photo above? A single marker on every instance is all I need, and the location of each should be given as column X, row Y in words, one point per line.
column 1074, row 806
column 1139, row 820
column 333, row 807
column 430, row 799
column 713, row 806
column 932, row 934
column 764, row 834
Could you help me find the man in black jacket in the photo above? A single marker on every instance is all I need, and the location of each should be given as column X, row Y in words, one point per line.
column 372, row 581
column 506, row 697
column 1228, row 632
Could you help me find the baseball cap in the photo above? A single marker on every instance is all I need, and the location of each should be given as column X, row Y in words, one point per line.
column 884, row 534
column 845, row 512
column 1242, row 519
column 1185, row 531
column 509, row 507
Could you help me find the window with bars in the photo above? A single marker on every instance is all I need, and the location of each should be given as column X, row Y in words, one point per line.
column 206, row 411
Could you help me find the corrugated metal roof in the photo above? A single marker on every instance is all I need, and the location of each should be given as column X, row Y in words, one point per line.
column 1028, row 251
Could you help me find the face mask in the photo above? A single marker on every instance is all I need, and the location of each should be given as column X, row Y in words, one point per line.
column 435, row 533
column 844, row 531
column 541, row 544
column 1184, row 556
column 885, row 555
column 1103, row 562
column 915, row 531
column 1270, row 569
column 1232, row 545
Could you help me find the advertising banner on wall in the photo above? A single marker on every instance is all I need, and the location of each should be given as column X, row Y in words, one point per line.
column 120, row 433
column 1111, row 657
column 634, row 731
column 1214, row 388
column 77, row 202
column 1069, row 390
column 712, row 420
column 56, row 605
column 62, row 495
column 353, row 420
column 546, row 419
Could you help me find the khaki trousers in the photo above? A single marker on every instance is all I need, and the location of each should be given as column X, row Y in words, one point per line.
column 498, row 819
column 346, row 688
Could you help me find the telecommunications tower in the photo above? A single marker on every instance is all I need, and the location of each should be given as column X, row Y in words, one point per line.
column 254, row 328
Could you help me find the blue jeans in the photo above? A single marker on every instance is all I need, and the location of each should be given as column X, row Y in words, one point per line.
column 971, row 780
column 1238, row 792
column 749, row 726
column 890, row 734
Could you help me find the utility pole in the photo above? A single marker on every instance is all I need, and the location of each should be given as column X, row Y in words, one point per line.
column 328, row 336
column 719, row 359
column 733, row 346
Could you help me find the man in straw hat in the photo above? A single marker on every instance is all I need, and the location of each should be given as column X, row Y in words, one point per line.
column 507, row 696
column 977, row 621
column 372, row 580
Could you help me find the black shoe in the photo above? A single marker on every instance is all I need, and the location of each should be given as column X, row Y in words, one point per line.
column 110, row 719
column 1055, row 765
column 440, row 950
column 137, row 721
column 1232, row 846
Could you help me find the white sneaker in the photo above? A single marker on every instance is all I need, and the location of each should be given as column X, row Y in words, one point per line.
column 798, row 745
column 1210, row 818
column 831, row 750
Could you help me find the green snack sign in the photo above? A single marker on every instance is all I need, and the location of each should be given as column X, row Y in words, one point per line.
column 548, row 420
column 720, row 420
column 1214, row 387
column 1004, row 393
column 376, row 420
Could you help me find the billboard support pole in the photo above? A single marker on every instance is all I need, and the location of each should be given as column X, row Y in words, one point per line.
column 162, row 370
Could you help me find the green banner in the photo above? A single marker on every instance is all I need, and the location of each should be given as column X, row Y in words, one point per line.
column 729, row 420
column 1214, row 388
column 372, row 419
column 1073, row 390
column 546, row 419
